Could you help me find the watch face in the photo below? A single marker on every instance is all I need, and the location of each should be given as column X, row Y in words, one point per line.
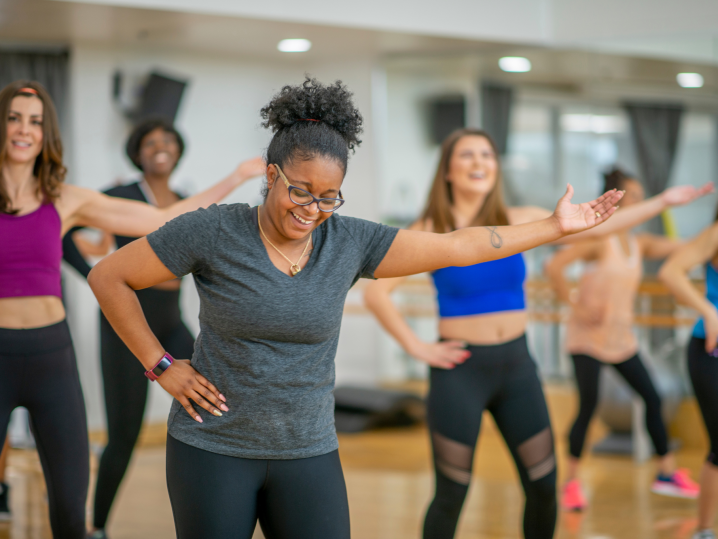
column 161, row 366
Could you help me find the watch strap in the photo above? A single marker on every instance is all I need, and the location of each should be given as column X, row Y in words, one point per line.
column 161, row 366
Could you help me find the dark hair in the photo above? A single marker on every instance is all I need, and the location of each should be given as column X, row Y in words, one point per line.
column 616, row 178
column 49, row 169
column 310, row 120
column 441, row 196
column 144, row 128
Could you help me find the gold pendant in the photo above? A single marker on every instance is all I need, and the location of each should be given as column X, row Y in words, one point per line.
column 295, row 269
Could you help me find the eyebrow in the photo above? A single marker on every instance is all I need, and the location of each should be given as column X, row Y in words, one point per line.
column 308, row 184
column 20, row 114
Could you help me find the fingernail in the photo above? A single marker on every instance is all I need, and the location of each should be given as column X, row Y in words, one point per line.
column 618, row 207
column 199, row 419
column 224, row 408
column 222, row 397
column 217, row 413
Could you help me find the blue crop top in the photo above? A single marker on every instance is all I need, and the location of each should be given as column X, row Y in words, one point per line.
column 699, row 329
column 490, row 287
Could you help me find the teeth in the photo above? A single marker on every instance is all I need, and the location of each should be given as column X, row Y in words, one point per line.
column 23, row 144
column 301, row 220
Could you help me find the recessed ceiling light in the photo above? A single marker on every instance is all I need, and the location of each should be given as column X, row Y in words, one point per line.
column 294, row 45
column 515, row 64
column 690, row 80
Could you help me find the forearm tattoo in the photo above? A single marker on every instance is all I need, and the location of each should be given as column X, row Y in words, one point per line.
column 496, row 240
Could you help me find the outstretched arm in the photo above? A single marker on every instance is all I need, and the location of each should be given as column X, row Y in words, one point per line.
column 628, row 217
column 674, row 273
column 416, row 252
column 85, row 207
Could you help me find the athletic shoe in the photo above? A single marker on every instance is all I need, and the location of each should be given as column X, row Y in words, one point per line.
column 572, row 498
column 704, row 534
column 678, row 485
column 97, row 534
column 5, row 514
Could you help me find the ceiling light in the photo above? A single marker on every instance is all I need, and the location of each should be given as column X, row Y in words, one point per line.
column 515, row 64
column 294, row 45
column 593, row 123
column 690, row 80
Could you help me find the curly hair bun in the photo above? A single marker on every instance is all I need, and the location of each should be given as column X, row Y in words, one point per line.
column 314, row 103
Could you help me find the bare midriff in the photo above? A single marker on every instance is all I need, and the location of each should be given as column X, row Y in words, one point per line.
column 30, row 312
column 493, row 328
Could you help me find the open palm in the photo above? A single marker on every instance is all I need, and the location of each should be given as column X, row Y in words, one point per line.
column 573, row 218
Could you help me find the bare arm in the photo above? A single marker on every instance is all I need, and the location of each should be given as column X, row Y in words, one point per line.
column 114, row 281
column 416, row 252
column 377, row 298
column 674, row 273
column 625, row 219
column 89, row 248
column 555, row 267
column 657, row 247
column 86, row 207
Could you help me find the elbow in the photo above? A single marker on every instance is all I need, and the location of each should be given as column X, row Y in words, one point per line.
column 99, row 278
column 665, row 272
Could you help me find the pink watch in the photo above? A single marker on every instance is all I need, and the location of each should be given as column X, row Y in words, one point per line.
column 162, row 365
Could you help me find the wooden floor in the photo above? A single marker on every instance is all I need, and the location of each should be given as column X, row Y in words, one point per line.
column 389, row 483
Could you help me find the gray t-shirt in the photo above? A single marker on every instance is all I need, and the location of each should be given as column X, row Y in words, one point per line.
column 267, row 340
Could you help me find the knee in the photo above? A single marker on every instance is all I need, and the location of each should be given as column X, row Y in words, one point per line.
column 449, row 497
column 543, row 490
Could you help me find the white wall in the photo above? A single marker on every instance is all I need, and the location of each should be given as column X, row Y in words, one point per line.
column 220, row 119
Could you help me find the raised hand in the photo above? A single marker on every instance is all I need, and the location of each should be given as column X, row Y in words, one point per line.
column 250, row 169
column 573, row 218
column 685, row 194
column 184, row 383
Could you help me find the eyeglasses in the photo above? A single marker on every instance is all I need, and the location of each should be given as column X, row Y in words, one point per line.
column 304, row 198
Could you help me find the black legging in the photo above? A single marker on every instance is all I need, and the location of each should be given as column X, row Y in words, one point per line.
column 503, row 380
column 634, row 372
column 126, row 389
column 216, row 496
column 703, row 369
column 38, row 371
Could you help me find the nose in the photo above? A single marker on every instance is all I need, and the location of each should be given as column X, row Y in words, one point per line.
column 312, row 208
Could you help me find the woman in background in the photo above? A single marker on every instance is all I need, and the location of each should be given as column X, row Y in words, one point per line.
column 600, row 331
column 37, row 361
column 702, row 354
column 482, row 361
column 155, row 148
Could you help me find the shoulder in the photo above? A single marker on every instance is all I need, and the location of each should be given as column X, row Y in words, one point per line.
column 519, row 215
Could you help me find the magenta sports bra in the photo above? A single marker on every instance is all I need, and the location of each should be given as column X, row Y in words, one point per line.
column 30, row 253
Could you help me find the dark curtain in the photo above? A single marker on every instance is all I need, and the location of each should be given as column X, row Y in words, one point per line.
column 496, row 101
column 47, row 68
column 655, row 130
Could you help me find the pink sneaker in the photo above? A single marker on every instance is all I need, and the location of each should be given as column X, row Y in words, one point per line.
column 678, row 485
column 572, row 498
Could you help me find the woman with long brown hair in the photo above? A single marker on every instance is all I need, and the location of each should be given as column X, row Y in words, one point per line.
column 37, row 361
column 482, row 361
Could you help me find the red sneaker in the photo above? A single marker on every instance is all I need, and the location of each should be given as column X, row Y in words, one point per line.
column 572, row 498
column 678, row 485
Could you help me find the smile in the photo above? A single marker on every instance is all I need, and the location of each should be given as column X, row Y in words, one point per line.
column 22, row 144
column 303, row 221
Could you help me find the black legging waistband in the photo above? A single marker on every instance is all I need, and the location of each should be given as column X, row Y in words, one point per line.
column 22, row 342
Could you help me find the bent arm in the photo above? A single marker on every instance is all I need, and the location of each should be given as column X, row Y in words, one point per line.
column 114, row 281
column 674, row 272
column 377, row 298
column 657, row 247
column 556, row 266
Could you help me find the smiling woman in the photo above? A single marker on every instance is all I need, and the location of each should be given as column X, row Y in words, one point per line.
column 37, row 361
column 262, row 446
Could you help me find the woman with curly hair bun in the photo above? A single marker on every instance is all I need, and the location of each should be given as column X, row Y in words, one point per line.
column 37, row 361
column 482, row 361
column 261, row 444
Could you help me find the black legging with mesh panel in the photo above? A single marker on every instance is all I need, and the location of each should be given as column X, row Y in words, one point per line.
column 503, row 380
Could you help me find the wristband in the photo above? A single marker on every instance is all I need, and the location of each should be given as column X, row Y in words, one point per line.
column 162, row 365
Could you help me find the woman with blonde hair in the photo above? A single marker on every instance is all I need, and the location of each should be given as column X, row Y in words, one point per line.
column 37, row 361
column 482, row 361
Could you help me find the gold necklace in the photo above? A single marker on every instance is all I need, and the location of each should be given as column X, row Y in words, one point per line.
column 294, row 268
